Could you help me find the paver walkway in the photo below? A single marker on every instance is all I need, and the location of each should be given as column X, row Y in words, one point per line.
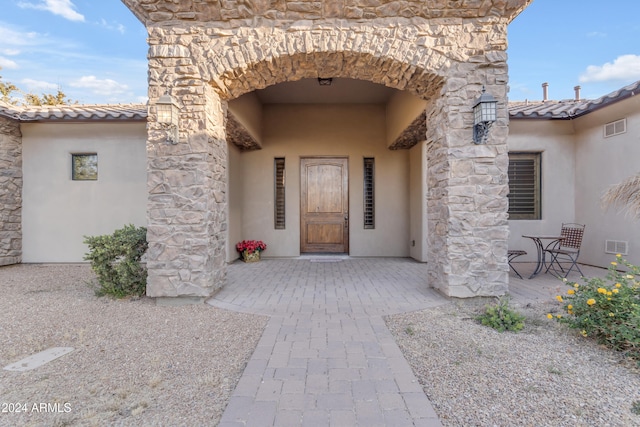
column 326, row 357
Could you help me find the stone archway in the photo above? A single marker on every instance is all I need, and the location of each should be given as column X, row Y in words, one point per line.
column 205, row 54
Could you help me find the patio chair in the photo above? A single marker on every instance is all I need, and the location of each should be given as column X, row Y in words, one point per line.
column 566, row 250
column 513, row 254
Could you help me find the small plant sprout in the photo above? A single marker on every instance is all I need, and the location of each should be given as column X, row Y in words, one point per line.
column 501, row 317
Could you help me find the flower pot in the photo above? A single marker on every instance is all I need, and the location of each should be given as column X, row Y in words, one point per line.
column 251, row 257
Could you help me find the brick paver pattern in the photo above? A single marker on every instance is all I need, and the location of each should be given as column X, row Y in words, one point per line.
column 326, row 357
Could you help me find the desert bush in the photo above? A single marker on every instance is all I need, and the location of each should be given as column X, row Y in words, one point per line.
column 607, row 310
column 116, row 261
column 501, row 317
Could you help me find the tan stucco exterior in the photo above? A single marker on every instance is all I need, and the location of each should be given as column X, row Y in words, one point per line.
column 59, row 212
column 600, row 163
column 418, row 202
column 578, row 165
column 556, row 141
column 352, row 131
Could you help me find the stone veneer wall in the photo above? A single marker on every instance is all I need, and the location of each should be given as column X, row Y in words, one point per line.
column 206, row 53
column 10, row 192
column 467, row 188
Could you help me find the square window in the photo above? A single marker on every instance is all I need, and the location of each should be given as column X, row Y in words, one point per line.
column 84, row 167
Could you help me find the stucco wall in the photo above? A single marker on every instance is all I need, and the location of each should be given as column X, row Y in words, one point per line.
column 58, row 212
column 295, row 131
column 248, row 111
column 600, row 163
column 418, row 201
column 578, row 166
column 402, row 110
column 556, row 141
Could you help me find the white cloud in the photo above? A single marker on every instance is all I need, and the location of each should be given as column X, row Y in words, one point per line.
column 8, row 63
column 112, row 27
column 103, row 87
column 64, row 8
column 38, row 85
column 11, row 37
column 625, row 67
column 10, row 52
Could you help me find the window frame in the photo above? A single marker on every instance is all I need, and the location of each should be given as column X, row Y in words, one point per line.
column 76, row 175
column 536, row 211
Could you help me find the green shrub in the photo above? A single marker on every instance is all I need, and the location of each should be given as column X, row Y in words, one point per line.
column 502, row 318
column 607, row 310
column 115, row 259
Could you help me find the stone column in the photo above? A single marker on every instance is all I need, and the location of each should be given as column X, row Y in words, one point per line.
column 187, row 213
column 467, row 187
column 10, row 192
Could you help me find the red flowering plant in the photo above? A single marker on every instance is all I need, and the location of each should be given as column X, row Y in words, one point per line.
column 251, row 246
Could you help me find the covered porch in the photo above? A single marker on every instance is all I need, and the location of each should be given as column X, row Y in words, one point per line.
column 359, row 286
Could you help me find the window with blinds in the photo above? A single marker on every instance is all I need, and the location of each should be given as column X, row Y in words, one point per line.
column 369, row 193
column 278, row 186
column 524, row 186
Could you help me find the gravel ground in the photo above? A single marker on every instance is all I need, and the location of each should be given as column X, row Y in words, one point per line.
column 138, row 364
column 545, row 375
column 134, row 363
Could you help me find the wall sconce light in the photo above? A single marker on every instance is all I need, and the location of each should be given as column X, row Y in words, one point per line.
column 168, row 113
column 484, row 115
column 325, row 81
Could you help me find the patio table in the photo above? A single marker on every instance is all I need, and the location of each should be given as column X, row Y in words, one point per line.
column 540, row 247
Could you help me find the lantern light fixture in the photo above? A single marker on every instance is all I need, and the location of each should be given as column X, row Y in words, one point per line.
column 168, row 116
column 484, row 115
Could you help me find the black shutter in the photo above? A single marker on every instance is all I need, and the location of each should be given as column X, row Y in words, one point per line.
column 278, row 205
column 369, row 194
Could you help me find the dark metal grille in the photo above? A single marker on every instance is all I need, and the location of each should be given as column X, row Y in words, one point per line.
column 369, row 193
column 279, row 192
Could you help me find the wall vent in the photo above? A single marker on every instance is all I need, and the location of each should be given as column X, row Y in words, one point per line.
column 616, row 247
column 615, row 128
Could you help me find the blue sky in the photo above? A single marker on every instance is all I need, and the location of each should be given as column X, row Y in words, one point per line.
column 590, row 43
column 95, row 50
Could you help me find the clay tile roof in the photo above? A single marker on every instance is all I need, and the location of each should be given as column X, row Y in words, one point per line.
column 75, row 112
column 9, row 111
column 543, row 109
column 568, row 109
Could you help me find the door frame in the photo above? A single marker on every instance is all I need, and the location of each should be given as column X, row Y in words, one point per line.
column 345, row 202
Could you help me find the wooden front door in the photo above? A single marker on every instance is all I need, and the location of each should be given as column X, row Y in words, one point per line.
column 324, row 205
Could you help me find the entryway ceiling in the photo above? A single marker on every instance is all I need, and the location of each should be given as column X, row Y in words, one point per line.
column 340, row 91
